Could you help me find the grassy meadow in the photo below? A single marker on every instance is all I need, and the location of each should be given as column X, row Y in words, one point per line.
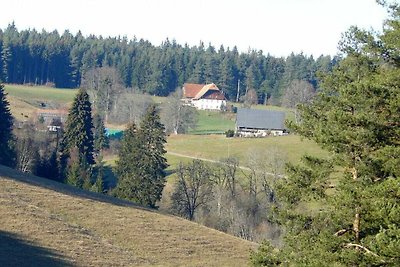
column 218, row 146
column 25, row 100
column 41, row 93
column 212, row 122
column 45, row 223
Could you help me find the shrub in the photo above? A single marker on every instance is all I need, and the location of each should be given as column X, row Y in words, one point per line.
column 230, row 133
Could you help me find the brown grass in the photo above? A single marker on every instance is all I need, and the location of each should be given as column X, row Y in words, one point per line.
column 70, row 226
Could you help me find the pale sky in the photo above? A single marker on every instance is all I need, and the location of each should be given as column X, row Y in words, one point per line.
column 278, row 27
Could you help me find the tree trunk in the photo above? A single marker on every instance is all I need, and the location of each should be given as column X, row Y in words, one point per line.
column 357, row 219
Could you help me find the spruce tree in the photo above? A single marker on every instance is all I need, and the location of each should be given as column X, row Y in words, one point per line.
column 356, row 117
column 7, row 153
column 141, row 165
column 128, row 166
column 100, row 138
column 98, row 186
column 78, row 129
column 73, row 176
column 153, row 163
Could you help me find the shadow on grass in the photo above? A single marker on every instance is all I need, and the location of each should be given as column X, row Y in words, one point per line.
column 30, row 179
column 14, row 251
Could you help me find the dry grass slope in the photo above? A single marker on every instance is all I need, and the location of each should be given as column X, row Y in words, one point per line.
column 46, row 223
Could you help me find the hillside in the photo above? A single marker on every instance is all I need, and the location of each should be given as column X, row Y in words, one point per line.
column 48, row 223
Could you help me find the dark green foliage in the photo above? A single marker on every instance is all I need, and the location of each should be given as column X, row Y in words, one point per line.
column 141, row 165
column 62, row 60
column 230, row 133
column 127, row 167
column 100, row 138
column 7, row 153
column 98, row 186
column 356, row 117
column 47, row 167
column 265, row 256
column 78, row 129
column 79, row 172
column 73, row 176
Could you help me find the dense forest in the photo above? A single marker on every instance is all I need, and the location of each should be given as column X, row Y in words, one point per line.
column 32, row 57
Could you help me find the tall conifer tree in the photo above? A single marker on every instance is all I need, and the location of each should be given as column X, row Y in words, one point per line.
column 153, row 137
column 356, row 117
column 78, row 129
column 7, row 155
column 141, row 165
column 128, row 166
column 78, row 141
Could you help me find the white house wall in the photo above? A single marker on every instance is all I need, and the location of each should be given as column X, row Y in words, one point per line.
column 208, row 104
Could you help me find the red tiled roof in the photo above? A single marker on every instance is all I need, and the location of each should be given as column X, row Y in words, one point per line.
column 206, row 91
column 213, row 94
column 190, row 90
column 206, row 88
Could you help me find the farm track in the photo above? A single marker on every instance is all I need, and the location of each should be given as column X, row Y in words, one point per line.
column 215, row 161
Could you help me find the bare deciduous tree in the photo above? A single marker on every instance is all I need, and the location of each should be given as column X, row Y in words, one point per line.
column 130, row 107
column 298, row 92
column 193, row 188
column 103, row 85
column 26, row 148
column 177, row 117
column 266, row 167
column 250, row 98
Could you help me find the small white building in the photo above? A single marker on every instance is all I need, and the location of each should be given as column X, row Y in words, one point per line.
column 204, row 96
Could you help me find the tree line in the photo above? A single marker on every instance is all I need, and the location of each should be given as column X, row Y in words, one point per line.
column 61, row 60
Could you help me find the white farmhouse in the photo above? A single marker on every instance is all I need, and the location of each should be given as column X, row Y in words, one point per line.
column 204, row 96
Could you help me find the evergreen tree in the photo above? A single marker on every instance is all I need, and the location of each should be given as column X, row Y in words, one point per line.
column 98, row 186
column 47, row 166
column 153, row 137
column 100, row 138
column 356, row 117
column 128, row 166
column 7, row 153
column 73, row 176
column 78, row 129
column 141, row 165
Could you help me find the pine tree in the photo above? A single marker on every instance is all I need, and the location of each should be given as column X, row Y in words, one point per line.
column 356, row 117
column 7, row 153
column 128, row 166
column 141, row 165
column 73, row 176
column 153, row 163
column 78, row 129
column 98, row 186
column 100, row 138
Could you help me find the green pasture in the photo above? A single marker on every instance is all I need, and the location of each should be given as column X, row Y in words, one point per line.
column 215, row 147
column 40, row 93
column 214, row 122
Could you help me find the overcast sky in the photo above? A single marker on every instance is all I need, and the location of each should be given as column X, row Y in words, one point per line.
column 278, row 27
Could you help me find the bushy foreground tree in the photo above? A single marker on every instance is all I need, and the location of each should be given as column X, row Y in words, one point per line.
column 141, row 165
column 356, row 117
column 7, row 153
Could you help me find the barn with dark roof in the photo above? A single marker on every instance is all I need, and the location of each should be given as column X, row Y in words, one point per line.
column 260, row 123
